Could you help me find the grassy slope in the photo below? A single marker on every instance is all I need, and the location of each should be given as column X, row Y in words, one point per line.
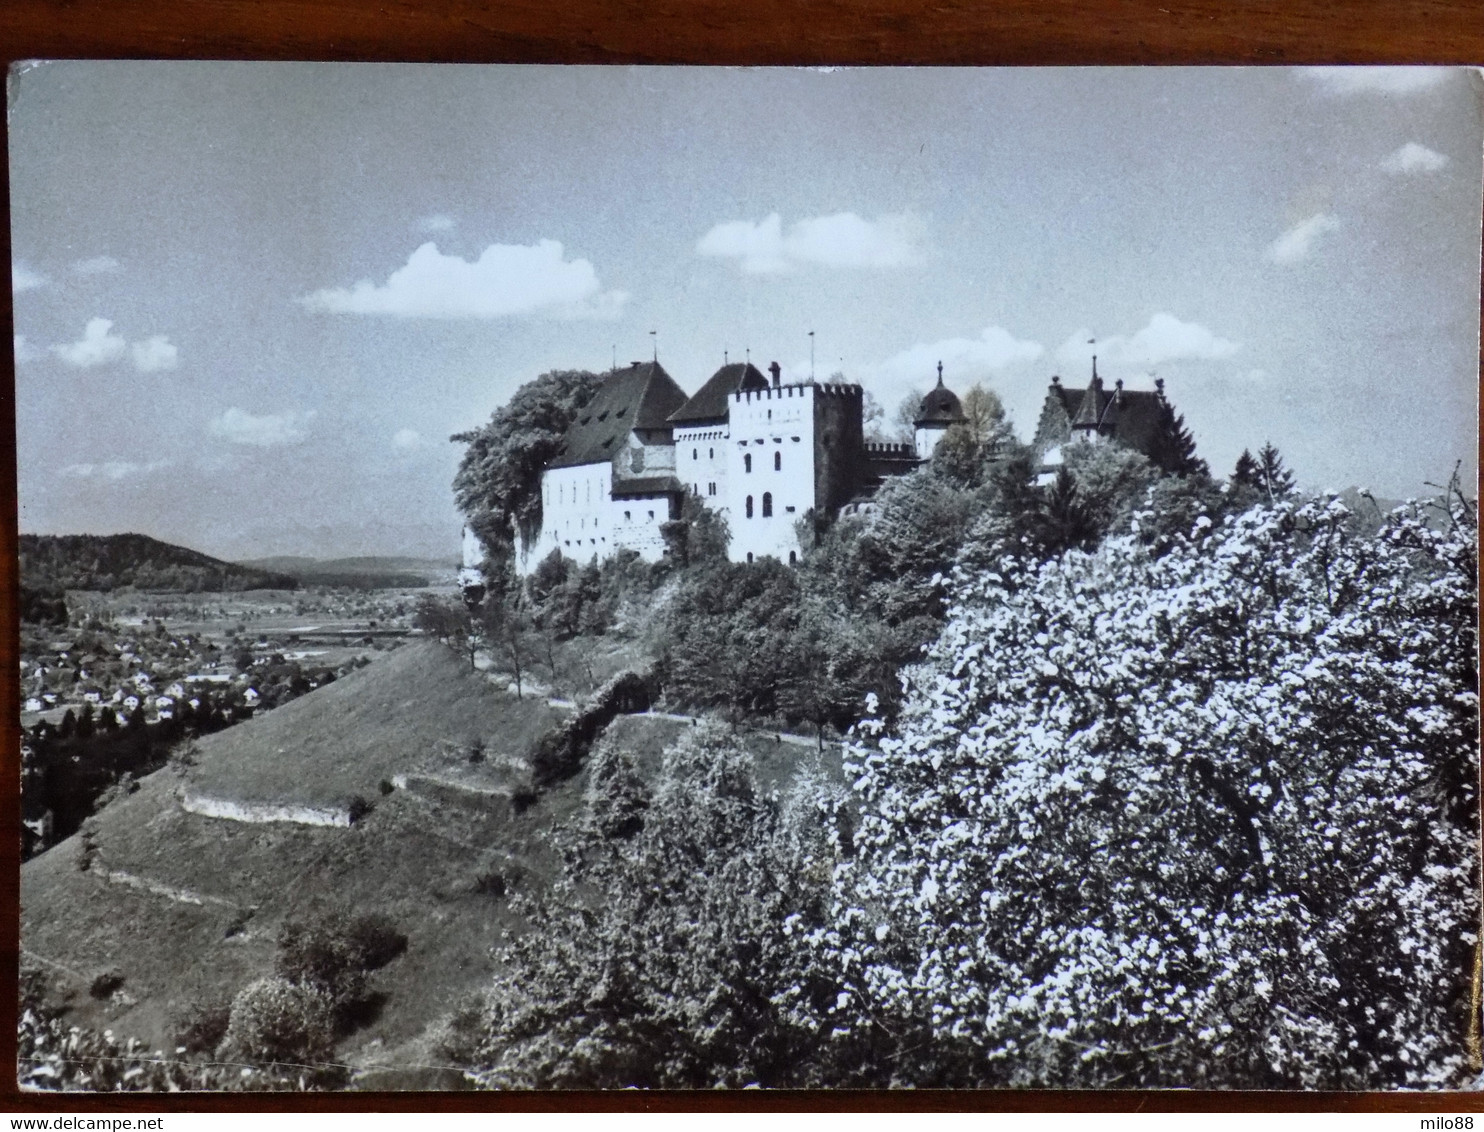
column 398, row 715
column 417, row 857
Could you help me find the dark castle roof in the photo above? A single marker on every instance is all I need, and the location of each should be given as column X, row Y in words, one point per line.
column 644, row 487
column 710, row 401
column 1132, row 417
column 940, row 407
column 640, row 397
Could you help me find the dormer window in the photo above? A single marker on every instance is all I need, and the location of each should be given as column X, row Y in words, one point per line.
column 621, row 412
column 603, row 416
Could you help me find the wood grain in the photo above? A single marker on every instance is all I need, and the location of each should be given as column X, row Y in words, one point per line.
column 752, row 31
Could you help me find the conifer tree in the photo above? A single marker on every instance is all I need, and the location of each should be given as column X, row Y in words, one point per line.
column 1272, row 477
column 1173, row 449
column 1245, row 473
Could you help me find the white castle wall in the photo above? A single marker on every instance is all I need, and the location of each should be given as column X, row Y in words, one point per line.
column 770, row 460
column 635, row 523
column 925, row 440
column 576, row 514
column 701, row 463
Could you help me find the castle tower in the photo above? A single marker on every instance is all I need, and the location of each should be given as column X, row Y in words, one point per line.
column 792, row 449
column 940, row 410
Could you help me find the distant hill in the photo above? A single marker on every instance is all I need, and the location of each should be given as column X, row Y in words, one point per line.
column 112, row 562
column 366, row 572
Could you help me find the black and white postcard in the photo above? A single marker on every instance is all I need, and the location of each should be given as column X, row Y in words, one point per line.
column 604, row 577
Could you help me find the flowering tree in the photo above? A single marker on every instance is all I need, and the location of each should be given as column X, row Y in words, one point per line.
column 1201, row 812
column 656, row 959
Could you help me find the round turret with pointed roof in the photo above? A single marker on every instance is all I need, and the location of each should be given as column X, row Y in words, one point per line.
column 941, row 407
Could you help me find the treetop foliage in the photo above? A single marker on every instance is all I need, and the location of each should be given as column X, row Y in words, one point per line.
column 659, row 958
column 1207, row 814
column 498, row 483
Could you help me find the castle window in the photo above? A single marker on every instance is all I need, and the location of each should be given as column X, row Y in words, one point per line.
column 651, row 514
column 747, row 463
column 749, row 506
column 749, row 558
column 792, row 558
column 625, row 516
column 767, row 505
column 711, row 453
column 778, row 461
column 713, row 489
column 770, row 414
column 790, row 508
column 694, row 453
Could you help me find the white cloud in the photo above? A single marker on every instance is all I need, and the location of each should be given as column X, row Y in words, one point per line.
column 841, row 240
column 22, row 278
column 113, row 470
column 506, row 279
column 96, row 265
column 435, row 223
column 964, row 359
column 240, row 427
column 1343, row 81
column 1413, row 158
column 1295, row 243
column 97, row 347
column 25, row 352
column 406, row 440
column 154, row 354
column 1164, row 338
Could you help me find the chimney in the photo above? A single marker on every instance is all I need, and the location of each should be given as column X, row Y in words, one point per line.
column 776, row 370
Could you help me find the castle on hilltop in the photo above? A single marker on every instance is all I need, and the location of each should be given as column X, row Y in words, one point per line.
column 761, row 452
column 764, row 454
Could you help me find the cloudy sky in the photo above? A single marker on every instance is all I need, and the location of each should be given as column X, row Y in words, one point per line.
column 253, row 300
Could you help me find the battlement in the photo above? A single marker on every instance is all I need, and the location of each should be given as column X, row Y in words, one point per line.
column 888, row 451
column 798, row 389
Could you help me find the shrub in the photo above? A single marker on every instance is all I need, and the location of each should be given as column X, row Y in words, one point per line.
column 491, row 882
column 200, row 1029
column 616, row 795
column 358, row 807
column 559, row 753
column 334, row 953
column 275, row 1020
column 106, row 982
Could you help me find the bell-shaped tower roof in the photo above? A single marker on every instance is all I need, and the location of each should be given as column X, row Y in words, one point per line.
column 941, row 407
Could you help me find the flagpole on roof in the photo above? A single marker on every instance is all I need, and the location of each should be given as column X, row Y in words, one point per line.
column 655, row 342
column 811, row 355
